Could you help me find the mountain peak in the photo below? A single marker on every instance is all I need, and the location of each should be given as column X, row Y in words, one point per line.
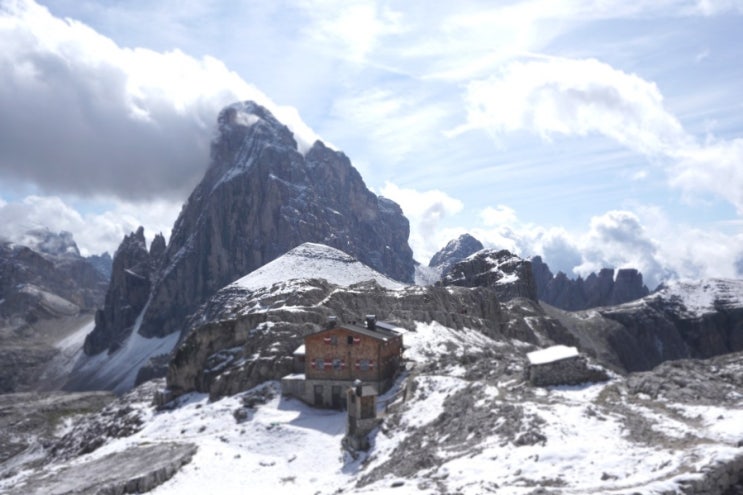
column 260, row 197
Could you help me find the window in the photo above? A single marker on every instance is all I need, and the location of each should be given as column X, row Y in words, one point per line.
column 319, row 364
column 349, row 340
column 334, row 340
column 337, row 364
column 364, row 365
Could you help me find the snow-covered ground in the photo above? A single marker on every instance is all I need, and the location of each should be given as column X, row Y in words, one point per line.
column 314, row 261
column 452, row 434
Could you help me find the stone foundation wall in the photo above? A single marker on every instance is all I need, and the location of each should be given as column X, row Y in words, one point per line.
column 723, row 478
column 571, row 371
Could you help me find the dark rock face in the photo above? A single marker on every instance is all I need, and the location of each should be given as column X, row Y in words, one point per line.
column 640, row 335
column 127, row 294
column 507, row 274
column 260, row 198
column 596, row 290
column 455, row 250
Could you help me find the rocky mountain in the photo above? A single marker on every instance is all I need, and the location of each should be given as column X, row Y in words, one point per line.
column 509, row 275
column 260, row 197
column 35, row 276
column 47, row 290
column 602, row 289
column 455, row 250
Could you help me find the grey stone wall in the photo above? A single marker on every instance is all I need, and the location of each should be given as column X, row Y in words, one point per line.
column 572, row 371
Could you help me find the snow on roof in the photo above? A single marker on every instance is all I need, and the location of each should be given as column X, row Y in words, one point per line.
column 311, row 260
column 300, row 351
column 551, row 354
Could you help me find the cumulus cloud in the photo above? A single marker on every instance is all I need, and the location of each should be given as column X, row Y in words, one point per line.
column 84, row 115
column 565, row 97
column 617, row 239
column 646, row 239
column 94, row 233
column 426, row 211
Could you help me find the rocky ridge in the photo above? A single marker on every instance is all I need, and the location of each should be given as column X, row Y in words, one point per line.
column 681, row 320
column 603, row 289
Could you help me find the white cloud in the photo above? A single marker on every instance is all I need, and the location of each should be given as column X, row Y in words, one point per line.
column 350, row 29
column 426, row 211
column 393, row 125
column 498, row 215
column 131, row 122
column 646, row 239
column 557, row 96
column 94, row 233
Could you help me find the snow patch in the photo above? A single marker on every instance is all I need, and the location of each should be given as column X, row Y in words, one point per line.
column 311, row 260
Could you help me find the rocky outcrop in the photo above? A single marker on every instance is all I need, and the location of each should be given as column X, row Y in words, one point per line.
column 138, row 469
column 259, row 198
column 507, row 274
column 239, row 349
column 455, row 250
column 128, row 291
column 680, row 321
column 602, row 289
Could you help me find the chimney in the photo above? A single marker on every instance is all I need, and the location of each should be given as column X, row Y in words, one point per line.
column 332, row 322
column 371, row 322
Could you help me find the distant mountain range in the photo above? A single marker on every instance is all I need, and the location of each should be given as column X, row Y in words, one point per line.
column 46, row 289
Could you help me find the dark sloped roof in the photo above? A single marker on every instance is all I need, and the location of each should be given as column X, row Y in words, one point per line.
column 380, row 333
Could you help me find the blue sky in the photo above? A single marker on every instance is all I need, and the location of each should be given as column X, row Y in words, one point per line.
column 593, row 133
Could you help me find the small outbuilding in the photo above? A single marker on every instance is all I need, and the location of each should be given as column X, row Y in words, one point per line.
column 561, row 365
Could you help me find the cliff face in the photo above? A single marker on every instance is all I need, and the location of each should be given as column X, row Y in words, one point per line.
column 259, row 198
column 602, row 289
column 128, row 290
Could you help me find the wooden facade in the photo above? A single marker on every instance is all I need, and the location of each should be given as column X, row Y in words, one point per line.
column 335, row 357
column 350, row 352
